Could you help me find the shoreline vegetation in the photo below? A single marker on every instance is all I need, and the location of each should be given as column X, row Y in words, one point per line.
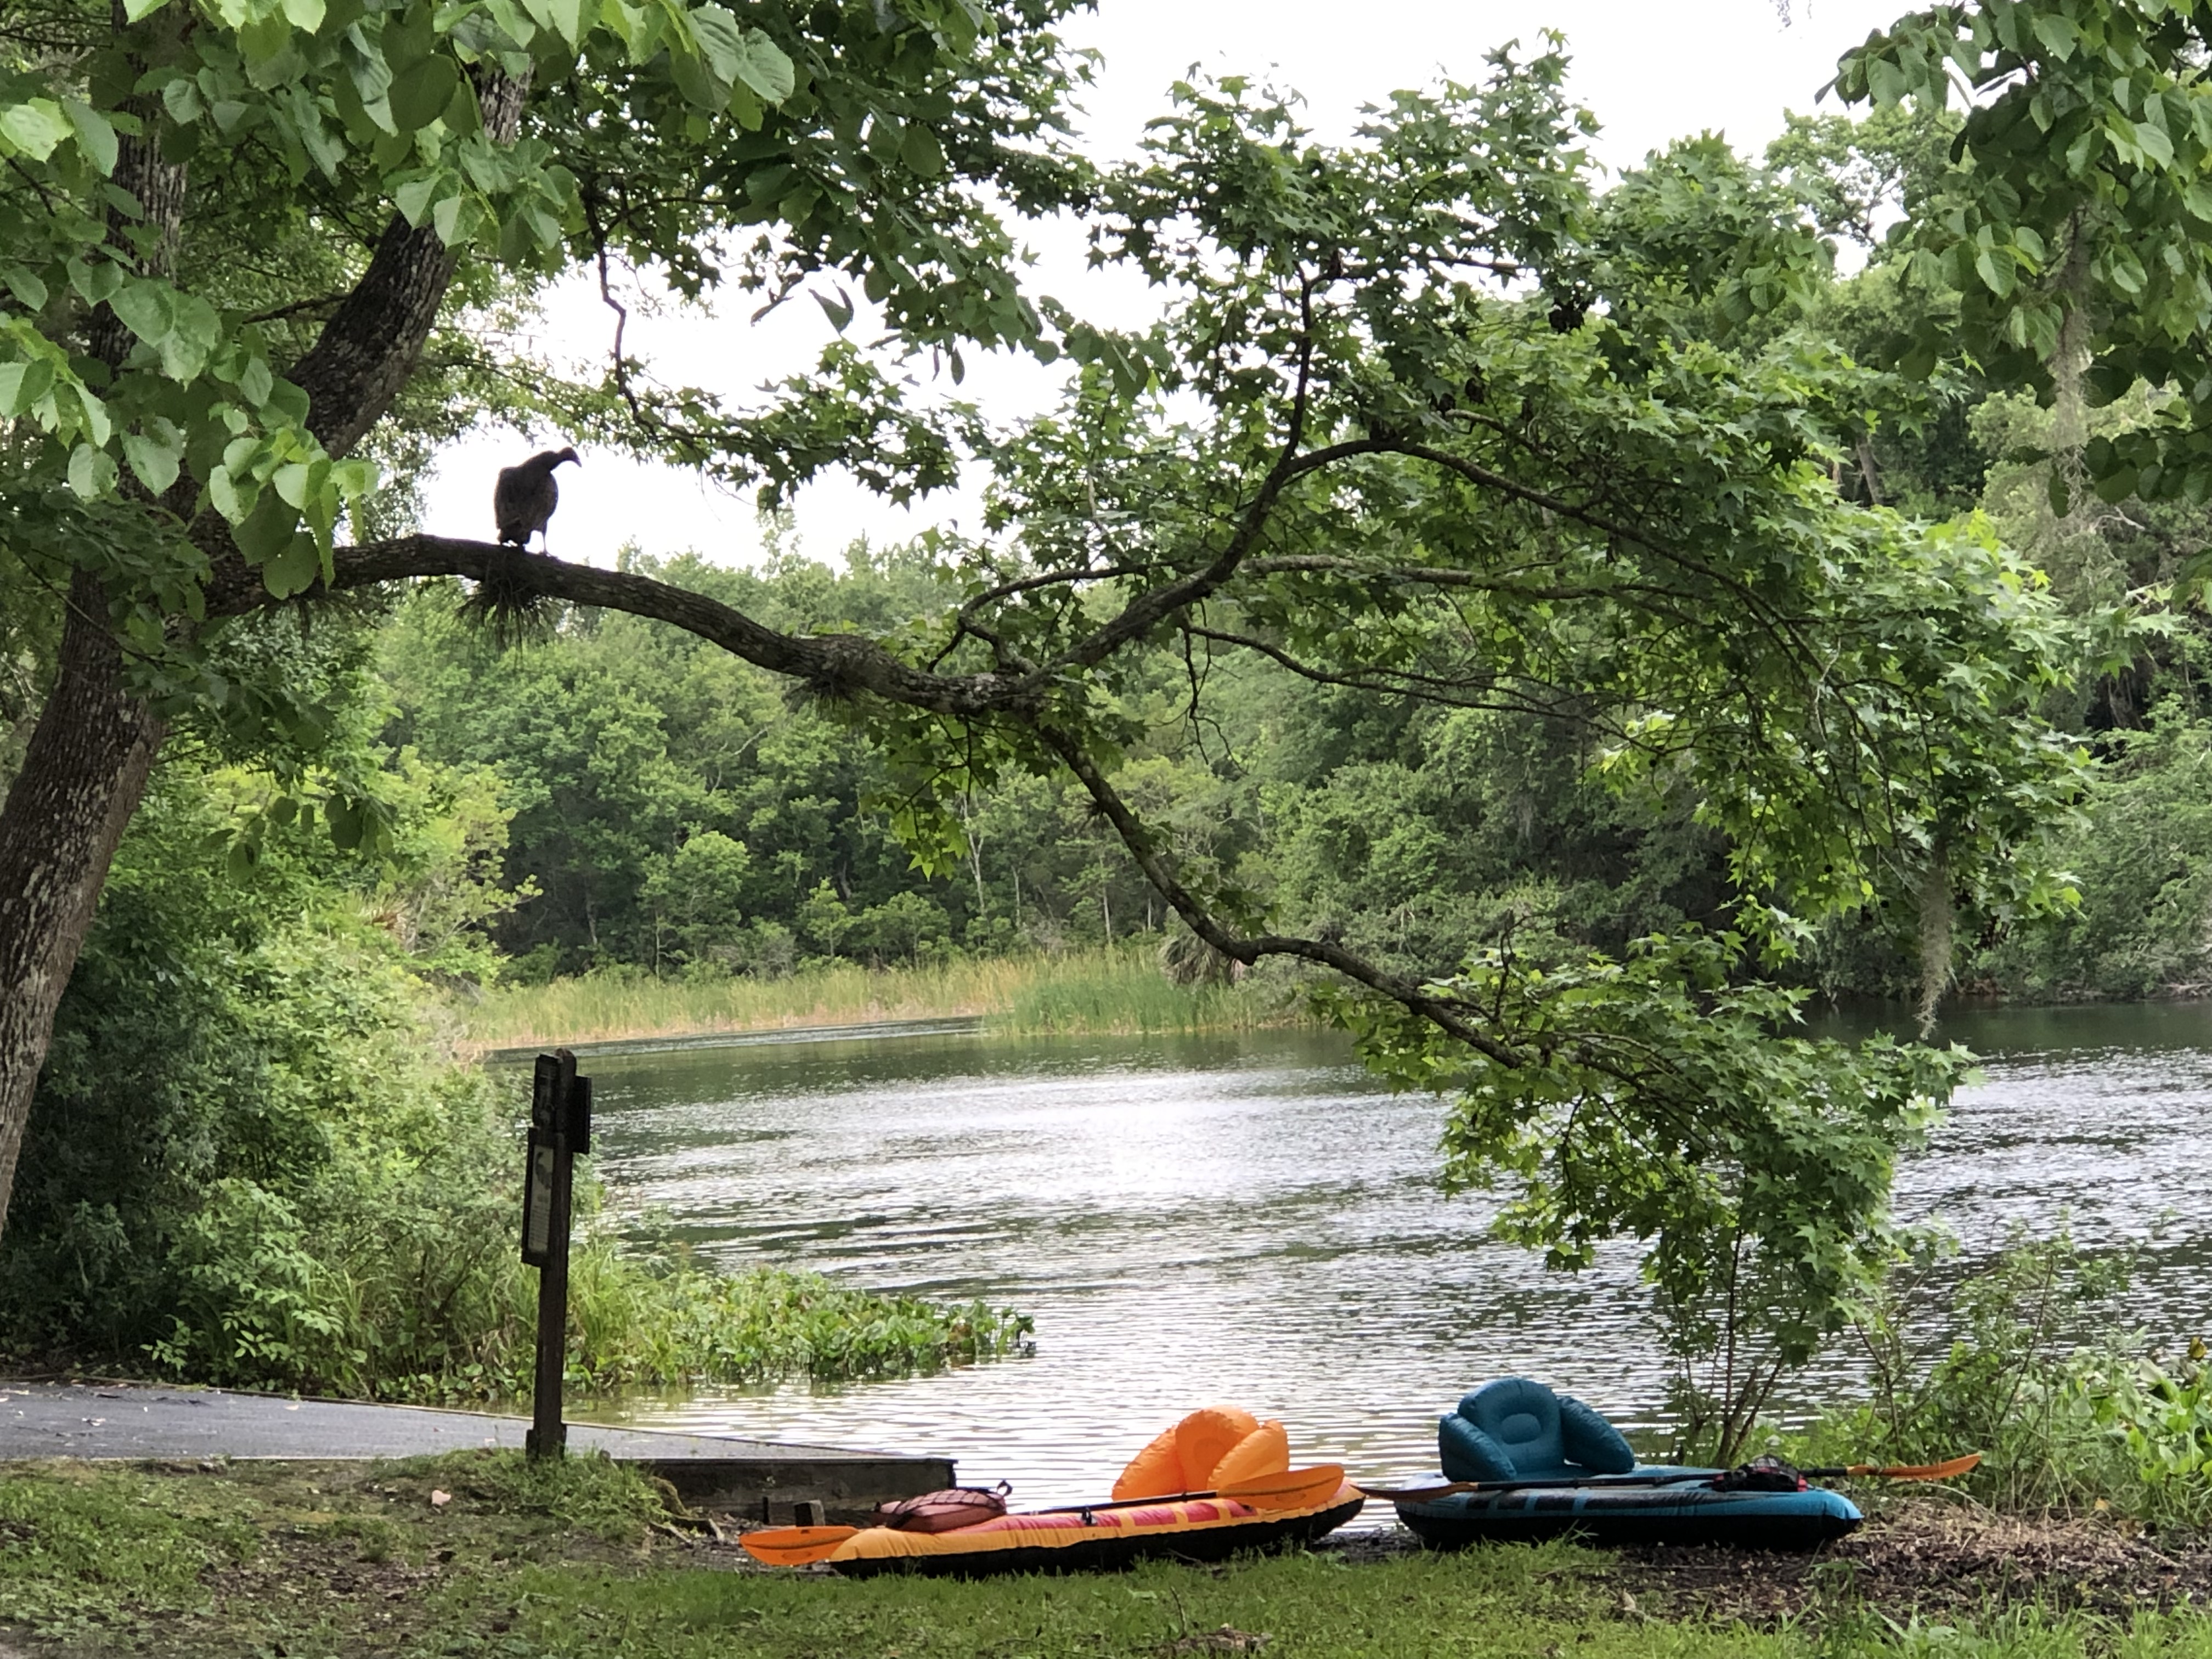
column 1111, row 991
column 1115, row 990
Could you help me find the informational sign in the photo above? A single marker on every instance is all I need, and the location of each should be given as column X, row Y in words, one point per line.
column 560, row 1130
column 537, row 1201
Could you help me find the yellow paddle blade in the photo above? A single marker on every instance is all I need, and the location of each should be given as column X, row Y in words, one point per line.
column 1944, row 1471
column 1298, row 1489
column 795, row 1546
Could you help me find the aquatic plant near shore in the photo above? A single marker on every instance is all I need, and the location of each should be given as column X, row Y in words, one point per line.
column 442, row 1309
column 679, row 1323
column 1115, row 990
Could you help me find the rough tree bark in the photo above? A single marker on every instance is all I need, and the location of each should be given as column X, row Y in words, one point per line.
column 86, row 767
column 83, row 776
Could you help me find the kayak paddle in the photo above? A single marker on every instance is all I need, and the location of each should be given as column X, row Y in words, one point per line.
column 794, row 1547
column 1944, row 1471
column 1298, row 1489
column 1294, row 1489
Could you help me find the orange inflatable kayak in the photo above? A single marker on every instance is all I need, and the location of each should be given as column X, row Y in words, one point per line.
column 1243, row 1508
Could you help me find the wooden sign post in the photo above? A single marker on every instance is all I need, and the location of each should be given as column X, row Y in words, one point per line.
column 560, row 1130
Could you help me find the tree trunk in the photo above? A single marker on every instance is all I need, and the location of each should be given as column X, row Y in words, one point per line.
column 89, row 757
column 84, row 774
column 85, row 766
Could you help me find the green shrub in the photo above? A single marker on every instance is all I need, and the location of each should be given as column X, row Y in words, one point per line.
column 249, row 1165
column 2068, row 1412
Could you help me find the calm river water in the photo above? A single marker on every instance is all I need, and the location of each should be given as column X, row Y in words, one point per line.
column 1250, row 1218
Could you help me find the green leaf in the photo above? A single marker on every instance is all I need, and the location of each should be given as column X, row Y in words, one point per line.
column 181, row 98
column 223, row 492
column 136, row 11
column 1995, row 271
column 94, row 136
column 193, row 336
column 413, row 199
column 25, row 285
column 344, row 816
column 306, row 16
column 147, row 309
column 408, row 37
column 1885, row 81
column 156, row 460
column 267, row 531
column 922, row 152
column 564, row 17
column 839, row 310
column 92, row 472
column 324, row 151
column 295, row 567
column 720, row 40
column 353, row 479
column 2059, row 35
column 463, row 116
column 92, row 414
column 2054, row 490
column 255, row 382
column 420, row 93
column 95, row 281
column 34, row 127
column 763, row 66
column 696, row 79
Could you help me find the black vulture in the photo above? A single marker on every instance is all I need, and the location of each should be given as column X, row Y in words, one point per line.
column 526, row 495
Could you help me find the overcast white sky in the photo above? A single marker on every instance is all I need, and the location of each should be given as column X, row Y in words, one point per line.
column 1651, row 70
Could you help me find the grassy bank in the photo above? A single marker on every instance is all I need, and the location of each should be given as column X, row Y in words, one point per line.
column 314, row 1561
column 1100, row 991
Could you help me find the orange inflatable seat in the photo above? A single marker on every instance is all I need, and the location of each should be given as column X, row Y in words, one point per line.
column 1212, row 1446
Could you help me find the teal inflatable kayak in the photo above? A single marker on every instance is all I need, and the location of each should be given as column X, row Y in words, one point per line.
column 1681, row 1511
column 1551, row 1466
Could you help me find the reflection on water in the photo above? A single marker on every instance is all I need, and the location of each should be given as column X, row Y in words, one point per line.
column 1251, row 1219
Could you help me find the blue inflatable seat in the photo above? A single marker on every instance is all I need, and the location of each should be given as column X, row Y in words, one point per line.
column 1515, row 1429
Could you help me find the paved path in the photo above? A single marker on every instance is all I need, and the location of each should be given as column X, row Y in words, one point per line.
column 63, row 1419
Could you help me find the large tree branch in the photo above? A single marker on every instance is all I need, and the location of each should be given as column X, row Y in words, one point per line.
column 831, row 664
column 1448, row 1016
column 1147, row 611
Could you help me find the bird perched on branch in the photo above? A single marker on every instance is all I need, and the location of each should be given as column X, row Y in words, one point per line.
column 526, row 495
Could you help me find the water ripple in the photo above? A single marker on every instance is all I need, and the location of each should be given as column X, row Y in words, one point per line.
column 1252, row 1219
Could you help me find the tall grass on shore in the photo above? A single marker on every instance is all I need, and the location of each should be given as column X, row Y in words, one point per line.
column 1124, row 993
column 1118, row 989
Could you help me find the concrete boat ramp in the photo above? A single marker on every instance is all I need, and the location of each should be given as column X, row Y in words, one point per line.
column 138, row 1423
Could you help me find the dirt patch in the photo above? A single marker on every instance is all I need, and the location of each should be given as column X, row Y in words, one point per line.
column 1946, row 1563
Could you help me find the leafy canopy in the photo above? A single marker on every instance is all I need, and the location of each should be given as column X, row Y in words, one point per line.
column 842, row 139
column 2075, row 234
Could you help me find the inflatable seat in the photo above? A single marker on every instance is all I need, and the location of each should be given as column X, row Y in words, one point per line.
column 1515, row 1429
column 1212, row 1447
